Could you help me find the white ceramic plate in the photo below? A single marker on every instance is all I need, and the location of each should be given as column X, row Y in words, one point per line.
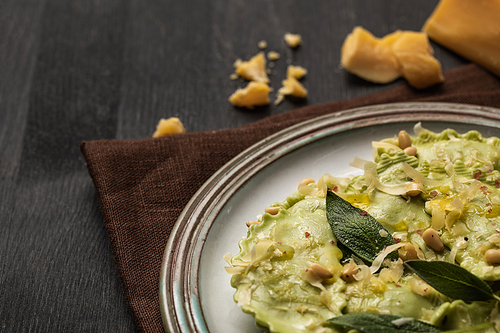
column 195, row 291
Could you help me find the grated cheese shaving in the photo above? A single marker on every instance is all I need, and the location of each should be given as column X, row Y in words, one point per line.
column 381, row 144
column 460, row 245
column 398, row 189
column 227, row 257
column 363, row 274
column 418, row 129
column 438, row 218
column 377, row 263
column 314, row 280
column 419, row 178
column 401, row 321
column 359, row 163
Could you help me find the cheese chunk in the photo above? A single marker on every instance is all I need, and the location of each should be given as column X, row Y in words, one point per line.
column 254, row 94
column 383, row 60
column 253, row 69
column 415, row 56
column 169, row 126
column 470, row 28
column 369, row 57
column 297, row 72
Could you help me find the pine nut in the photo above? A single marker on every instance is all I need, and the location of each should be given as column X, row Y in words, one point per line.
column 320, row 271
column 492, row 256
column 410, row 151
column 404, row 140
column 306, row 181
column 415, row 191
column 431, row 238
column 249, row 223
column 411, row 253
column 348, row 272
column 272, row 210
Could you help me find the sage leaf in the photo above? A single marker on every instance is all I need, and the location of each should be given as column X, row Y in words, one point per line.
column 356, row 229
column 452, row 280
column 382, row 323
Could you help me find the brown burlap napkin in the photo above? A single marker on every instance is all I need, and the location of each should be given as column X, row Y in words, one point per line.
column 143, row 185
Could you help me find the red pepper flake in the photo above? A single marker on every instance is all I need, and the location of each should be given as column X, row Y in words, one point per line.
column 489, row 171
column 433, row 193
column 307, row 234
column 425, row 290
column 485, row 189
column 362, row 212
column 398, row 286
column 419, row 232
column 490, row 210
column 332, row 242
column 284, row 252
column 477, row 175
column 307, row 270
column 279, row 243
column 497, row 183
column 493, row 223
column 488, row 204
column 397, row 240
column 335, row 189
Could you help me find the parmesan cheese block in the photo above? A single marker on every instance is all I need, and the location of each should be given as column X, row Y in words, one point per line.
column 470, row 28
column 169, row 126
column 254, row 94
column 253, row 69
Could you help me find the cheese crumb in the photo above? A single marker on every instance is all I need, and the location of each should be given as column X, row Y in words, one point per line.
column 253, row 69
column 297, row 72
column 293, row 40
column 262, row 44
column 169, row 126
column 273, row 55
column 254, row 94
column 291, row 86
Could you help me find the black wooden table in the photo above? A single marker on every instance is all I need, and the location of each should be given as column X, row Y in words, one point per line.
column 74, row 70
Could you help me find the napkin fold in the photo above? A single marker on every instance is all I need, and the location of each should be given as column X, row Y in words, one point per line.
column 143, row 185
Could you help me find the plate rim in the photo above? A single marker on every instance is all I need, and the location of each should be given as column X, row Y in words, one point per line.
column 180, row 304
